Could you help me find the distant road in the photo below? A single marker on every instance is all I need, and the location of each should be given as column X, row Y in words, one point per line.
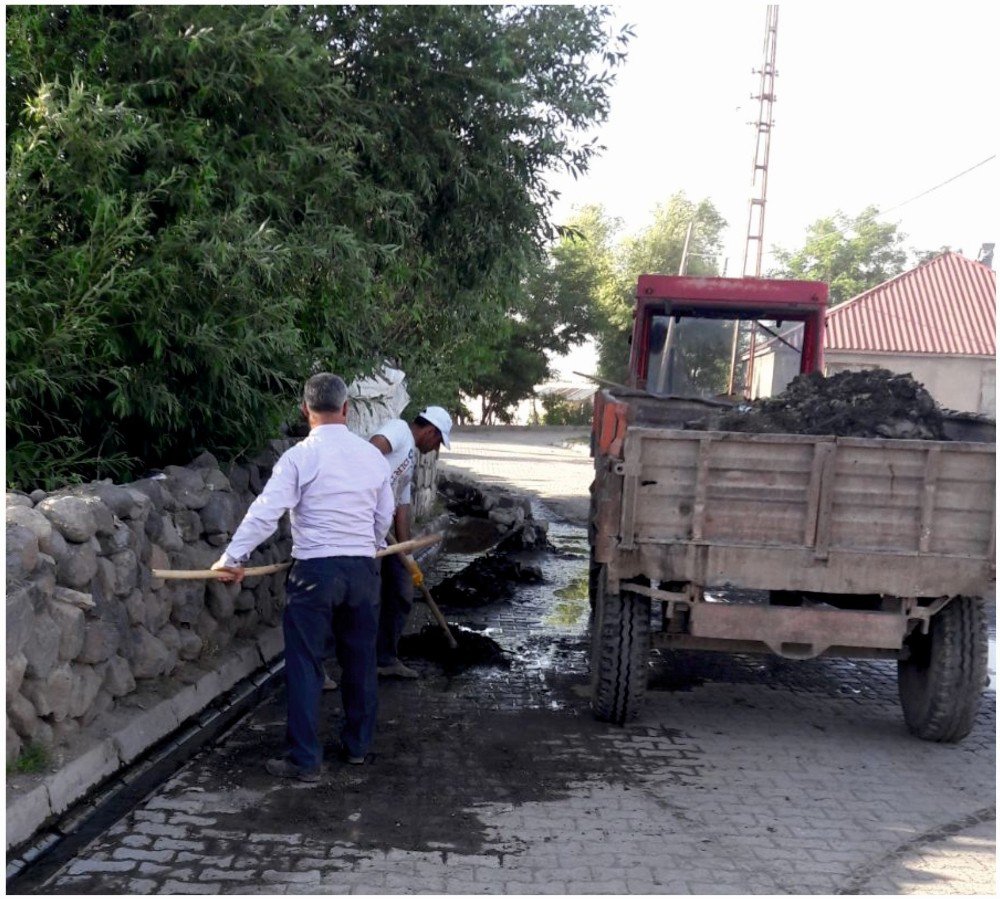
column 552, row 463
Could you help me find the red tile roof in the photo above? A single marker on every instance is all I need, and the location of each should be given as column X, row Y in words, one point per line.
column 945, row 306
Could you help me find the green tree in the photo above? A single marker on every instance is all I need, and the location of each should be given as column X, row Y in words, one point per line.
column 658, row 248
column 511, row 373
column 466, row 109
column 922, row 256
column 850, row 254
column 554, row 313
column 205, row 204
column 559, row 411
column 173, row 266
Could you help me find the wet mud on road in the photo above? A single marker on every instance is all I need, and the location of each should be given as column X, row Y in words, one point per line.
column 745, row 774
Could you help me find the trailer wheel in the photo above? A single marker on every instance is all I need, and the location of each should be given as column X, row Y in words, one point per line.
column 594, row 573
column 941, row 682
column 619, row 654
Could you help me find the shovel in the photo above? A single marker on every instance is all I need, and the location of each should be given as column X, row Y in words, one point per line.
column 418, row 580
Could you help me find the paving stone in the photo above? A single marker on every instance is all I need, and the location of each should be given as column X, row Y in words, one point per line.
column 89, row 866
column 285, row 838
column 143, row 855
column 168, row 831
column 153, row 868
column 219, row 874
column 136, row 840
column 290, row 876
column 182, row 818
column 193, row 889
column 173, row 843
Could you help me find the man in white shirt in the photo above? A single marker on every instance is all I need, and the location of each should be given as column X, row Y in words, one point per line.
column 399, row 443
column 336, row 486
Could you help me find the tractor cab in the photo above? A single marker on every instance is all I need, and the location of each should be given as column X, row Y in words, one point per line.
column 718, row 337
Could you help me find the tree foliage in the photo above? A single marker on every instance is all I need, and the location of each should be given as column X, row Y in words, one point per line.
column 851, row 254
column 205, row 204
column 658, row 248
column 559, row 412
column 555, row 312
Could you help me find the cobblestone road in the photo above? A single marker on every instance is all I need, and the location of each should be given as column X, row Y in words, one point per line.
column 746, row 774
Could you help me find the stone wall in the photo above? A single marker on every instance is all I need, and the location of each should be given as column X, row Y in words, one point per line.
column 425, row 487
column 87, row 623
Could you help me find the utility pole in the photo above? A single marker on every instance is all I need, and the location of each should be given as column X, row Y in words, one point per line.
column 762, row 148
column 758, row 199
column 687, row 246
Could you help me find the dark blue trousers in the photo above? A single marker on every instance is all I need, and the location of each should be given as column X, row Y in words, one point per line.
column 397, row 601
column 338, row 593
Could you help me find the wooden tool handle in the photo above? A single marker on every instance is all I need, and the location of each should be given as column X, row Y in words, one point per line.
column 414, row 569
column 438, row 617
column 179, row 574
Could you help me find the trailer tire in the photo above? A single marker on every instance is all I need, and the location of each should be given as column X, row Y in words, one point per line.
column 619, row 658
column 940, row 684
column 593, row 576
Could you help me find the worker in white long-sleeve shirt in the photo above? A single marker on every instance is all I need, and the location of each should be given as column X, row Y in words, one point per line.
column 336, row 486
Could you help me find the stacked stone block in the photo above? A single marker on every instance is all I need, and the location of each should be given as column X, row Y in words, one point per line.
column 425, row 486
column 86, row 620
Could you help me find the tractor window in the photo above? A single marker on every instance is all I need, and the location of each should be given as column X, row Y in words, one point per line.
column 691, row 356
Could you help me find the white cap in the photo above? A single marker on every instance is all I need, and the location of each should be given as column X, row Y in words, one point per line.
column 441, row 420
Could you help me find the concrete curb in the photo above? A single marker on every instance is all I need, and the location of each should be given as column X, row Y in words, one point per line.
column 54, row 793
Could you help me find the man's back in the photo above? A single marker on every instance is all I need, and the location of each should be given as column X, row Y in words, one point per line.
column 339, row 477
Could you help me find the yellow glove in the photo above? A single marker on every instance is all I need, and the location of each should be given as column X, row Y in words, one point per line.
column 414, row 569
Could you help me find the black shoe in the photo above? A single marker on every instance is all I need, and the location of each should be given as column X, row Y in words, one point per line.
column 344, row 756
column 286, row 768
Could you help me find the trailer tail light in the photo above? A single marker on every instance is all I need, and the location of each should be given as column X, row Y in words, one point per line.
column 610, row 422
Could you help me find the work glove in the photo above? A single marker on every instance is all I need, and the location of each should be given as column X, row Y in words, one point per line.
column 414, row 569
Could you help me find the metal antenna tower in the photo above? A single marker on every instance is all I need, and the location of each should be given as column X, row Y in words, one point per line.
column 758, row 201
column 762, row 149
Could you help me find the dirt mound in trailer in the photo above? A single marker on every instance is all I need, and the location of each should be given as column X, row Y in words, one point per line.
column 473, row 648
column 871, row 403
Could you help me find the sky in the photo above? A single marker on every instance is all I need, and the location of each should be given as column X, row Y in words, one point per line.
column 876, row 103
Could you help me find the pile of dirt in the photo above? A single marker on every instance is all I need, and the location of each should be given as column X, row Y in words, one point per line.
column 473, row 648
column 485, row 580
column 870, row 403
column 532, row 535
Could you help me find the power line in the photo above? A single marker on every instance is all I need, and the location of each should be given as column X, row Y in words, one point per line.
column 880, row 212
column 936, row 186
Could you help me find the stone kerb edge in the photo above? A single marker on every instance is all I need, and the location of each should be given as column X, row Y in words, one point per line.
column 57, row 791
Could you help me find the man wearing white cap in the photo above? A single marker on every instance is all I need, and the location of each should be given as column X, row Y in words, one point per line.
column 399, row 443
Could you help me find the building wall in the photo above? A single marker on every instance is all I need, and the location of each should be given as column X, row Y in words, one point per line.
column 963, row 383
column 773, row 371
